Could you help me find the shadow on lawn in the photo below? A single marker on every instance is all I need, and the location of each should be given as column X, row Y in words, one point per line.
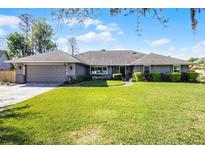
column 10, row 134
column 95, row 83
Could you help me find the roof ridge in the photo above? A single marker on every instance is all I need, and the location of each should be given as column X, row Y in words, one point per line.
column 139, row 58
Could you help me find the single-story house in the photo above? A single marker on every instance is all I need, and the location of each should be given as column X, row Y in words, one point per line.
column 3, row 57
column 59, row 66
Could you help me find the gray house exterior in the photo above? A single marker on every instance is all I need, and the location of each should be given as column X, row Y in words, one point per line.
column 58, row 66
column 3, row 57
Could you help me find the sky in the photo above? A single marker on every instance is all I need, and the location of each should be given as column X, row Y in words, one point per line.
column 119, row 32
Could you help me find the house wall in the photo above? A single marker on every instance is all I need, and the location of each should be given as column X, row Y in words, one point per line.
column 184, row 68
column 48, row 72
column 162, row 68
column 138, row 68
column 20, row 73
column 81, row 69
column 3, row 65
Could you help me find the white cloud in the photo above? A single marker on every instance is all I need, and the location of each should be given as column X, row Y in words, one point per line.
column 2, row 32
column 87, row 37
column 87, row 22
column 102, row 27
column 93, row 36
column 90, row 21
column 108, row 27
column 11, row 21
column 71, row 21
column 120, row 33
column 199, row 47
column 172, row 48
column 62, row 43
column 157, row 43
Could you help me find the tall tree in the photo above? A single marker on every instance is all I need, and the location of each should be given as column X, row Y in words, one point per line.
column 16, row 45
column 73, row 45
column 25, row 25
column 193, row 59
column 42, row 37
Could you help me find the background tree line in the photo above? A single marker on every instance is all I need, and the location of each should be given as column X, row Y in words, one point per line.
column 36, row 36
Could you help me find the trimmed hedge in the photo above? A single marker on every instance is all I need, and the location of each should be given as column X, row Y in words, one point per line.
column 138, row 76
column 166, row 77
column 155, row 76
column 192, row 76
column 78, row 79
column 175, row 76
column 117, row 76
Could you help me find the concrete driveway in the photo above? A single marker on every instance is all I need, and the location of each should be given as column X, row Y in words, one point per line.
column 14, row 94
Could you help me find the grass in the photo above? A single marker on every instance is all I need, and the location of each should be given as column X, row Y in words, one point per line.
column 144, row 113
column 102, row 83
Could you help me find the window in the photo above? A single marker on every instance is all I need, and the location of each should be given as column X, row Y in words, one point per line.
column 99, row 70
column 176, row 69
column 147, row 69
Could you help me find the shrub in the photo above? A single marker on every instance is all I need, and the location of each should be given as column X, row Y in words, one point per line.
column 175, row 76
column 192, row 76
column 132, row 80
column 117, row 76
column 201, row 78
column 184, row 77
column 147, row 77
column 138, row 76
column 155, row 76
column 78, row 79
column 165, row 77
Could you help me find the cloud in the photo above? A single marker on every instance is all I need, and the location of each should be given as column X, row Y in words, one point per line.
column 62, row 43
column 120, row 33
column 157, row 43
column 105, row 36
column 2, row 32
column 172, row 48
column 86, row 23
column 199, row 47
column 90, row 21
column 11, row 21
column 107, row 27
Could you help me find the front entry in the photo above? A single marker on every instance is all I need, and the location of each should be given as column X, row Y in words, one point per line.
column 122, row 71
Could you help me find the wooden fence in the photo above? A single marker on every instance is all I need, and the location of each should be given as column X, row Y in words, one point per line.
column 7, row 76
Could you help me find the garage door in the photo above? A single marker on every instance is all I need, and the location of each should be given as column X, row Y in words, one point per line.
column 46, row 74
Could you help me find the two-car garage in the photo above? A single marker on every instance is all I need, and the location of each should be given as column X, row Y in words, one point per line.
column 46, row 73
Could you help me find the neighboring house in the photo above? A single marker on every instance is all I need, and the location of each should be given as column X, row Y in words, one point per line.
column 59, row 66
column 3, row 57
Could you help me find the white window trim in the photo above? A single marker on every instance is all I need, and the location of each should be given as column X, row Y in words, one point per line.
column 180, row 70
column 150, row 68
column 99, row 73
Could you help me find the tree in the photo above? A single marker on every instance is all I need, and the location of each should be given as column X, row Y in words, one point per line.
column 16, row 45
column 72, row 43
column 25, row 25
column 156, row 14
column 42, row 35
column 192, row 59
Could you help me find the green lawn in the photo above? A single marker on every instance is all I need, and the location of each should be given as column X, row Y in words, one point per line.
column 144, row 113
column 102, row 83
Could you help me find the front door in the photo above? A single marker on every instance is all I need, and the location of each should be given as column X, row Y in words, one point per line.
column 122, row 71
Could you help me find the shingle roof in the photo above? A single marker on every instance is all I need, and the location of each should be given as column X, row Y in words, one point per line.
column 52, row 56
column 156, row 59
column 109, row 57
